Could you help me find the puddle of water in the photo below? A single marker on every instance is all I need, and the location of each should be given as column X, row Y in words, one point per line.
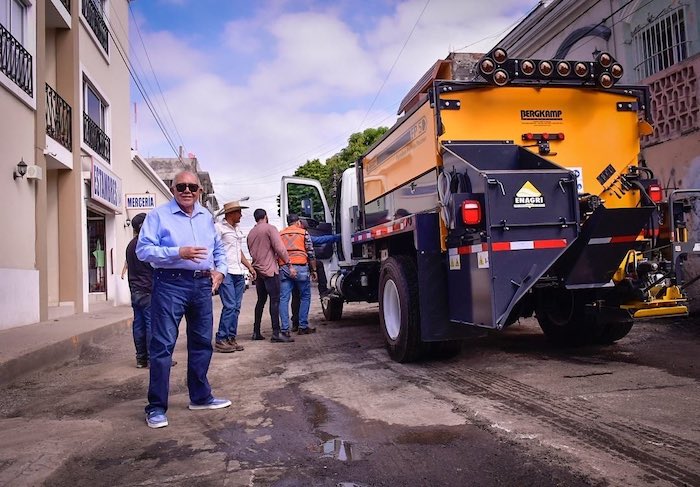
column 339, row 450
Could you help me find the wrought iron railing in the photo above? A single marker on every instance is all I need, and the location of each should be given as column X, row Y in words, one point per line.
column 94, row 16
column 58, row 119
column 95, row 138
column 66, row 3
column 15, row 62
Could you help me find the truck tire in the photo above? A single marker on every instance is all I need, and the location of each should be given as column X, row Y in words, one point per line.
column 398, row 309
column 332, row 308
column 562, row 317
column 612, row 332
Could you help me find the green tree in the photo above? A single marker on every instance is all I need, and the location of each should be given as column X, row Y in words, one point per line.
column 328, row 173
column 358, row 144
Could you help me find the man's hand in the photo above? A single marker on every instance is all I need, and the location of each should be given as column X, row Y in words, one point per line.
column 195, row 254
column 216, row 279
column 314, row 276
column 292, row 272
column 253, row 274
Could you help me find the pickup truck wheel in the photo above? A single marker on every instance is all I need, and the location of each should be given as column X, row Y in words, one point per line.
column 332, row 308
column 562, row 317
column 398, row 309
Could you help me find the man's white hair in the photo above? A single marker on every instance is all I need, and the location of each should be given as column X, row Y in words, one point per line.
column 183, row 172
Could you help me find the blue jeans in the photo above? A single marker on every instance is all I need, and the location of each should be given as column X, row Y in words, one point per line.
column 177, row 294
column 231, row 292
column 303, row 284
column 141, row 326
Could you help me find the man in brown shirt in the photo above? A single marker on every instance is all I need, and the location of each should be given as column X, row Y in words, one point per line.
column 265, row 247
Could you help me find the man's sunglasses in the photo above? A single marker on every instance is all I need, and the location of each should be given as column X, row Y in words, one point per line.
column 181, row 187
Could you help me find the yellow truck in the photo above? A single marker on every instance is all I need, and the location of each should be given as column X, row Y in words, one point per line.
column 519, row 191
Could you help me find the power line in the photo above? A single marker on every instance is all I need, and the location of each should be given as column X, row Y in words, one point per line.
column 398, row 56
column 137, row 81
column 155, row 77
column 510, row 27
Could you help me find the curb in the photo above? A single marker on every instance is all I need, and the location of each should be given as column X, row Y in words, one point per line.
column 59, row 352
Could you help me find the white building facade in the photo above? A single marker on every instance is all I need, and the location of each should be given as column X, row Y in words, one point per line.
column 64, row 99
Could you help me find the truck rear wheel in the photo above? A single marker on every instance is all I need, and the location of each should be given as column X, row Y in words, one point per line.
column 332, row 308
column 562, row 317
column 398, row 309
column 612, row 332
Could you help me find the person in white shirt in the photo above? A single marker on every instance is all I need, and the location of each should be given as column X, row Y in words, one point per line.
column 231, row 290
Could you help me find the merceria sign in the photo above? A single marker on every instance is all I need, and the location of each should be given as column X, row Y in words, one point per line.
column 105, row 187
column 145, row 201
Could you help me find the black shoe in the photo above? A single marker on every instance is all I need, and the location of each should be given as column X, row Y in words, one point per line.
column 141, row 363
column 307, row 331
column 281, row 338
column 257, row 336
column 295, row 327
column 286, row 333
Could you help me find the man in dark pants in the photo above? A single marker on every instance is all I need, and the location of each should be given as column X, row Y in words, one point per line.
column 180, row 240
column 265, row 247
column 140, row 284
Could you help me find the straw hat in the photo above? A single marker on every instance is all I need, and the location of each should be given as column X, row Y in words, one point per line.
column 231, row 206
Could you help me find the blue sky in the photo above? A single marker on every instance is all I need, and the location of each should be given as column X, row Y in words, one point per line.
column 257, row 88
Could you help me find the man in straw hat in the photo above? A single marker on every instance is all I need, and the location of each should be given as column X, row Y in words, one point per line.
column 231, row 290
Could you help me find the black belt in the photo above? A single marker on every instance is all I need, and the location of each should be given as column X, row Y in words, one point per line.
column 183, row 273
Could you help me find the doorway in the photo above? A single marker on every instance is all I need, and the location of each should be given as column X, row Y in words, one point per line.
column 97, row 278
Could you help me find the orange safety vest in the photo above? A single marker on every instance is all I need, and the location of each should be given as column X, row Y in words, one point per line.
column 293, row 241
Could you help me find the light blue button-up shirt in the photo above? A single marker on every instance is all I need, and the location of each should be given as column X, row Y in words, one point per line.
column 167, row 228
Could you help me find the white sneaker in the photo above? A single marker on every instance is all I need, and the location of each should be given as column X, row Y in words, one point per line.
column 213, row 403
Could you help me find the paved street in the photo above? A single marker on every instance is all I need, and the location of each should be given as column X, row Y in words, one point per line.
column 332, row 409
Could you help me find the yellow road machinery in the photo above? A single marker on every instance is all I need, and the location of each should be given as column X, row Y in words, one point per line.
column 514, row 194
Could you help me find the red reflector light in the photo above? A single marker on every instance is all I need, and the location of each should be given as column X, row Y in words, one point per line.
column 545, row 136
column 655, row 193
column 528, row 136
column 561, row 136
column 471, row 212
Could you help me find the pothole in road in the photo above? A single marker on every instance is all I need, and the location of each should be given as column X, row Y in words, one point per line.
column 340, row 450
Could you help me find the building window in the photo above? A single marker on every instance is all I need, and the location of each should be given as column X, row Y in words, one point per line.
column 12, row 17
column 15, row 61
column 94, row 13
column 95, row 122
column 661, row 43
column 94, row 106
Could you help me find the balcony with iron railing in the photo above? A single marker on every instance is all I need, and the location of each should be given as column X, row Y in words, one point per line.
column 95, row 19
column 58, row 119
column 95, row 137
column 15, row 61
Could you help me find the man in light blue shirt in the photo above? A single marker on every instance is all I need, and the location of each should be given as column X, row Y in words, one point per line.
column 180, row 241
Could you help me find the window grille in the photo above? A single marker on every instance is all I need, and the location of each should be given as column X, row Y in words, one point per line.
column 661, row 43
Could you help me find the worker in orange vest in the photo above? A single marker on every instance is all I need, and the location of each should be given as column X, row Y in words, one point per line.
column 298, row 243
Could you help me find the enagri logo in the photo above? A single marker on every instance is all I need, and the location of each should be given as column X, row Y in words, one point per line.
column 528, row 197
column 541, row 114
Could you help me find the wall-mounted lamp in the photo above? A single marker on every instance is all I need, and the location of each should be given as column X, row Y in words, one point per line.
column 21, row 169
column 127, row 223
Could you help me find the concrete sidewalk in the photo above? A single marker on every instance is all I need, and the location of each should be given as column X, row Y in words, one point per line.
column 29, row 348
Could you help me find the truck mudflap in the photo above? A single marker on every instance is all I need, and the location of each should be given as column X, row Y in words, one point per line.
column 530, row 217
column 605, row 238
